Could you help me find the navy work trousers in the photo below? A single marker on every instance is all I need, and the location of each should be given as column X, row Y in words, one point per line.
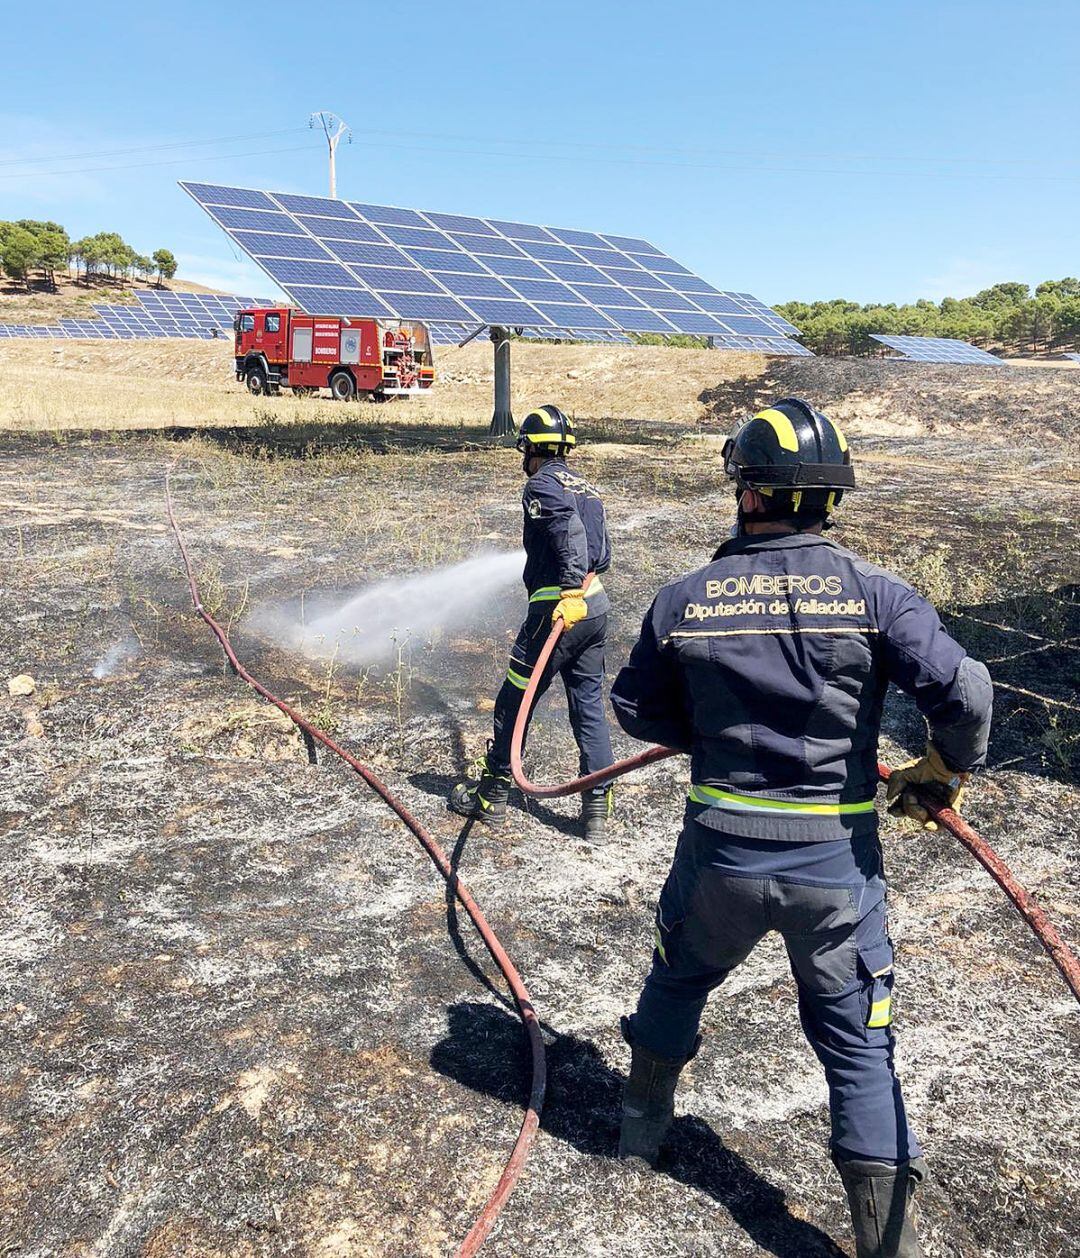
column 579, row 659
column 827, row 900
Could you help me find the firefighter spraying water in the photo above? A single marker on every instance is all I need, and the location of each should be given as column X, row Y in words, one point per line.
column 565, row 538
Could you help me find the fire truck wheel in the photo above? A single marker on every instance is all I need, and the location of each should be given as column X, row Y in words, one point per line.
column 255, row 381
column 342, row 388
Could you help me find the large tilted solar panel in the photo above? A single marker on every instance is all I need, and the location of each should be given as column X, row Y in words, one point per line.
column 448, row 333
column 350, row 258
column 596, row 336
column 769, row 315
column 936, row 349
column 454, row 334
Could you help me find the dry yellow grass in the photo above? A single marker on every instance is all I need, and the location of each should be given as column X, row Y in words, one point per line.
column 62, row 385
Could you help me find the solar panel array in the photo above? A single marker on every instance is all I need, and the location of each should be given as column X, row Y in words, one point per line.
column 351, row 258
column 936, row 349
column 155, row 314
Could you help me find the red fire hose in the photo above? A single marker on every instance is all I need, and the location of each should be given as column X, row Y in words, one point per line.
column 1044, row 929
column 531, row 1121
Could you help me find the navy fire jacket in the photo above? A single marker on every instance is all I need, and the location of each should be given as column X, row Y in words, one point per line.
column 565, row 536
column 770, row 667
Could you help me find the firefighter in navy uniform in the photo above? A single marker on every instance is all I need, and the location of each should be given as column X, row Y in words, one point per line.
column 769, row 666
column 565, row 537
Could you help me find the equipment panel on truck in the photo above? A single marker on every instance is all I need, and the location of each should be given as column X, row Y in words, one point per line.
column 373, row 359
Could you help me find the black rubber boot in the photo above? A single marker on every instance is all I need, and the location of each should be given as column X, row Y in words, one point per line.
column 596, row 809
column 483, row 799
column 648, row 1102
column 880, row 1196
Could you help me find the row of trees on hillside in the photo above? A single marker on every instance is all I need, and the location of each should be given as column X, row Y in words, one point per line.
column 30, row 248
column 1007, row 317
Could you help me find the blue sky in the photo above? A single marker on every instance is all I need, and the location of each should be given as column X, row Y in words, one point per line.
column 795, row 149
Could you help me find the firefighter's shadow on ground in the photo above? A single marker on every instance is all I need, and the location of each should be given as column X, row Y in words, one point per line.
column 484, row 1051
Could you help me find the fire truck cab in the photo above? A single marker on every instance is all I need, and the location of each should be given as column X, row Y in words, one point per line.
column 374, row 359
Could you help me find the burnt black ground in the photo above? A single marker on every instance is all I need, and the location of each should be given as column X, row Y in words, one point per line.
column 241, row 1017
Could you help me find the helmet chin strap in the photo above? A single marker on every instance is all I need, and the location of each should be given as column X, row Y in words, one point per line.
column 740, row 515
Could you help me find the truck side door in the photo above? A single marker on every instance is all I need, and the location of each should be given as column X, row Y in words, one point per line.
column 274, row 336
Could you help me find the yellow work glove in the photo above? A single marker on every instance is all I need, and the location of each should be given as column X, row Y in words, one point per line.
column 570, row 608
column 934, row 778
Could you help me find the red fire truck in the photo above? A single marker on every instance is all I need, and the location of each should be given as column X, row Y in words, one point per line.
column 278, row 347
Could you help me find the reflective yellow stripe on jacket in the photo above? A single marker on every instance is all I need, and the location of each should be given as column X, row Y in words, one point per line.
column 713, row 797
column 552, row 593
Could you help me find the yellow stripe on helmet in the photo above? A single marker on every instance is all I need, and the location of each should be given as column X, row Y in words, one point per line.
column 782, row 426
column 839, row 435
column 550, row 438
column 543, row 416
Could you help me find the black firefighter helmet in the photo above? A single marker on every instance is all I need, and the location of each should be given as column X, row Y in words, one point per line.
column 794, row 455
column 547, row 431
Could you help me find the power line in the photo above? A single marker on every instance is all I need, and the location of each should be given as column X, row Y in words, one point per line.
column 175, row 161
column 147, row 148
column 698, row 150
column 596, row 155
column 755, row 169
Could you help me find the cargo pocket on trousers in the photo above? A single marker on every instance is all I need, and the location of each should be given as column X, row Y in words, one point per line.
column 876, row 965
column 670, row 915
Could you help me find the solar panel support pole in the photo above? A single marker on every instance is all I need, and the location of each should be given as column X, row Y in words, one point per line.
column 502, row 421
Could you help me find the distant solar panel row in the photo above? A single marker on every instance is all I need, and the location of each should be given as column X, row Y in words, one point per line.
column 194, row 316
column 935, row 349
column 343, row 257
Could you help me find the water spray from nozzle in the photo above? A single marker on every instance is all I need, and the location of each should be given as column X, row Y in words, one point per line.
column 369, row 626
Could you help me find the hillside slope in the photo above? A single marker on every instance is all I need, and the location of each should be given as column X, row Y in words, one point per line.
column 73, row 300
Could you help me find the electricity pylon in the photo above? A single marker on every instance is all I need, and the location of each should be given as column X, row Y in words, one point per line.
column 333, row 128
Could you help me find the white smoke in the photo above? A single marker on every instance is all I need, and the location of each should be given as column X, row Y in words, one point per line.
column 371, row 625
column 120, row 651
